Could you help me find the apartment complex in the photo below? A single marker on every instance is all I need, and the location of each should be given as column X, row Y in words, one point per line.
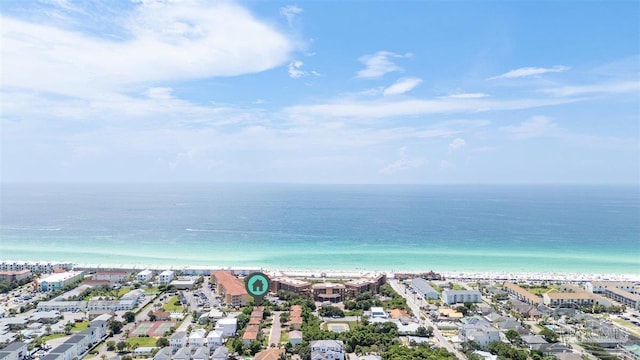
column 58, row 281
column 327, row 291
column 15, row 276
column 461, row 296
column 230, row 287
column 522, row 294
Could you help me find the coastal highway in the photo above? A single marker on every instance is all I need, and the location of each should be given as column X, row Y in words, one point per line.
column 419, row 314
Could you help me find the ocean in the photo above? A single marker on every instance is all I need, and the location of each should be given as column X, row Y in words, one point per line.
column 498, row 228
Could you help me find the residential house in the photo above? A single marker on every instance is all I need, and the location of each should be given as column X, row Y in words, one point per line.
column 165, row 353
column 295, row 317
column 197, row 338
column 183, row 353
column 178, row 340
column 215, row 339
column 327, row 350
column 221, row 353
column 200, row 353
column 295, row 337
column 250, row 334
column 228, row 326
column 481, row 333
column 269, row 354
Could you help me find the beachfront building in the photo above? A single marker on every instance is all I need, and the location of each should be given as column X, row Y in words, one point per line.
column 112, row 276
column 623, row 297
column 15, row 275
column 35, row 266
column 522, row 294
column 600, row 287
column 425, row 289
column 623, row 292
column 288, row 284
column 166, row 276
column 58, row 281
column 230, row 288
column 329, row 292
column 327, row 350
column 461, row 296
column 370, row 283
column 562, row 299
column 144, row 275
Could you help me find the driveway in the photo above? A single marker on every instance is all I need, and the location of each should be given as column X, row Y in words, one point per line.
column 276, row 329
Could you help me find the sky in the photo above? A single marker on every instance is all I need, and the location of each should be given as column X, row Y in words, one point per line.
column 420, row 92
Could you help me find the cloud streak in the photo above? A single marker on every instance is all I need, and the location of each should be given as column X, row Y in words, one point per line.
column 530, row 71
column 402, row 86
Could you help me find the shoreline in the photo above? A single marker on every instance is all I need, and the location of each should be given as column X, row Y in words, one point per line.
column 362, row 272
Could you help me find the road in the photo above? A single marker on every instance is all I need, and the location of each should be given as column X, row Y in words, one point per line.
column 276, row 329
column 424, row 319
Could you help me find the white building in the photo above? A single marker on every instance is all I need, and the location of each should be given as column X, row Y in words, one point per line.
column 378, row 313
column 178, row 340
column 327, row 350
column 197, row 337
column 461, row 296
column 483, row 335
column 427, row 291
column 14, row 351
column 228, row 326
column 214, row 339
column 144, row 275
column 166, row 276
column 58, row 281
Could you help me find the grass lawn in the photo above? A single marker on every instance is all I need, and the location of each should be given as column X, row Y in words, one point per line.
column 634, row 330
column 77, row 327
column 284, row 337
column 540, row 290
column 171, row 307
column 142, row 341
column 150, row 290
column 457, row 287
column 52, row 336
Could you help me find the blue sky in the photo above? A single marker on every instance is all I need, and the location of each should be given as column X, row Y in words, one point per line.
column 320, row 92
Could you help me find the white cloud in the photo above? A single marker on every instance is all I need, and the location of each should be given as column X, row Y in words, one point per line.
column 537, row 126
column 390, row 107
column 530, row 71
column 165, row 41
column 290, row 12
column 295, row 70
column 457, row 144
column 466, row 96
column 378, row 64
column 402, row 86
column 603, row 88
column 159, row 93
column 403, row 163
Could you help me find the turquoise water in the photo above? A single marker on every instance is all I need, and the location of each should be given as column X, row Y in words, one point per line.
column 591, row 229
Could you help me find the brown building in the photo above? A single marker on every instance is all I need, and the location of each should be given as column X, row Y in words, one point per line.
column 365, row 284
column 328, row 291
column 230, row 288
column 289, row 284
column 522, row 294
column 15, row 276
column 295, row 317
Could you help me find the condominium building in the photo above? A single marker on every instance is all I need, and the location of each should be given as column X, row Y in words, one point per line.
column 230, row 287
column 328, row 291
column 461, row 296
column 58, row 281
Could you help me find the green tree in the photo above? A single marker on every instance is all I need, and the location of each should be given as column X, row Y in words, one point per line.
column 115, row 327
column 162, row 342
column 121, row 345
column 111, row 345
column 513, row 336
column 129, row 316
column 549, row 335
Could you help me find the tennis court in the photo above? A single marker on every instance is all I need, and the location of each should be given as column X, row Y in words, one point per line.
column 161, row 328
column 142, row 329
